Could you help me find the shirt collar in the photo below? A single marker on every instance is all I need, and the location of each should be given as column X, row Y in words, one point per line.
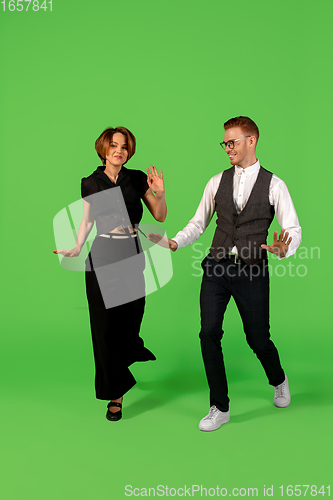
column 100, row 172
column 249, row 170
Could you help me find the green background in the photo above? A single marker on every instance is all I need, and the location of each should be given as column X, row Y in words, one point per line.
column 172, row 72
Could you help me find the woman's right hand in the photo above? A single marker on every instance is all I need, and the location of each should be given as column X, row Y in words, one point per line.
column 84, row 229
column 75, row 252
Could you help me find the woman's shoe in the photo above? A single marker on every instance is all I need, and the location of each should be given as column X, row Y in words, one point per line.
column 114, row 416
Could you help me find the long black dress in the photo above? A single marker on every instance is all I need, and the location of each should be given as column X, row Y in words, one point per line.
column 115, row 330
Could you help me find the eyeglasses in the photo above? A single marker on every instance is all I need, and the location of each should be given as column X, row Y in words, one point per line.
column 231, row 144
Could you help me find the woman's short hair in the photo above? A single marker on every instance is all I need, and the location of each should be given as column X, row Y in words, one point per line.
column 103, row 142
column 245, row 123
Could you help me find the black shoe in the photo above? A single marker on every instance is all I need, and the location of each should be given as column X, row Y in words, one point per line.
column 116, row 415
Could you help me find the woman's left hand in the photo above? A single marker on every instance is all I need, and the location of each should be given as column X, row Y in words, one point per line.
column 155, row 181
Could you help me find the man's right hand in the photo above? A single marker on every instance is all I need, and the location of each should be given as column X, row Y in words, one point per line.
column 163, row 241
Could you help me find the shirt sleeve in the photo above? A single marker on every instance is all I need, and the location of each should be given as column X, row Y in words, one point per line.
column 84, row 190
column 286, row 214
column 142, row 183
column 198, row 224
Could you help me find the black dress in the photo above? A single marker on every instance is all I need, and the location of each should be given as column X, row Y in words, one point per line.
column 114, row 275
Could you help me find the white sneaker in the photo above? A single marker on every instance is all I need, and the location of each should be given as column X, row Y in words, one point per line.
column 214, row 419
column 282, row 395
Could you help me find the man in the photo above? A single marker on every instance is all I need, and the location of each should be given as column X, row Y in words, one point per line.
column 245, row 198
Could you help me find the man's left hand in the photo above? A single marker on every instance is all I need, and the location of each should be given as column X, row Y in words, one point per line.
column 279, row 246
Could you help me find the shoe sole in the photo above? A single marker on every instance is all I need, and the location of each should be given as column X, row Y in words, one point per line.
column 215, row 428
column 282, row 406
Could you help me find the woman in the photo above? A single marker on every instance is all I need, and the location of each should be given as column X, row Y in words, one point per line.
column 115, row 287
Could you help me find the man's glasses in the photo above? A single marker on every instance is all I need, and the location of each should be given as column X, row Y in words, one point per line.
column 231, row 144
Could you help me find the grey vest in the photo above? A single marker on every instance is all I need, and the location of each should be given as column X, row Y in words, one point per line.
column 247, row 229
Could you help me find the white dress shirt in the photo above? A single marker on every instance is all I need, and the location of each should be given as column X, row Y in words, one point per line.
column 244, row 180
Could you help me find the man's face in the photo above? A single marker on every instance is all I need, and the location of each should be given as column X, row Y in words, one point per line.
column 241, row 151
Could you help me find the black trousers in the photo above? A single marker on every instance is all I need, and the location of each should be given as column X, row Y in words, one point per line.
column 249, row 286
column 115, row 331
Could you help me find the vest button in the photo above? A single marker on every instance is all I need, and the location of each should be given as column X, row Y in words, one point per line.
column 236, row 238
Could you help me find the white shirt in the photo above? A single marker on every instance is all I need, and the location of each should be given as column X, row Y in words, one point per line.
column 244, row 180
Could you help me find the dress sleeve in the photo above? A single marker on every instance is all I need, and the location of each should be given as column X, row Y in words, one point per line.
column 142, row 185
column 84, row 190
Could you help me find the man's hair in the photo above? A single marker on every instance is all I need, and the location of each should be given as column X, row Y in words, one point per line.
column 245, row 123
column 103, row 142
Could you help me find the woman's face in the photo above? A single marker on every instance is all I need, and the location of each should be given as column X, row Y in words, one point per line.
column 117, row 153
